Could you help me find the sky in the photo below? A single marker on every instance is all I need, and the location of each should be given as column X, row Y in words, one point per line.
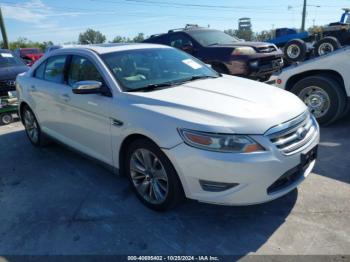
column 62, row 21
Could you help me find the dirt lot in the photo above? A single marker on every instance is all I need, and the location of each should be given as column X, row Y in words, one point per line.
column 53, row 201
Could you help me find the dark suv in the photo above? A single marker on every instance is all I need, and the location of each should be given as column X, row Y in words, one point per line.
column 10, row 67
column 226, row 54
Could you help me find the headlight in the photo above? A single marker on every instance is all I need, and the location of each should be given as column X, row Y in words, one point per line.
column 220, row 142
column 246, row 50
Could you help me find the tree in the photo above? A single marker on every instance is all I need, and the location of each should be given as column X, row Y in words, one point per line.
column 120, row 39
column 23, row 42
column 264, row 35
column 315, row 29
column 91, row 36
column 139, row 38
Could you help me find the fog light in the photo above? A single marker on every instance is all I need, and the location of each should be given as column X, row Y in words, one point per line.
column 216, row 186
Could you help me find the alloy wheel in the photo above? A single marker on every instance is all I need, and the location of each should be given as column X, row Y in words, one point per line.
column 149, row 176
column 31, row 126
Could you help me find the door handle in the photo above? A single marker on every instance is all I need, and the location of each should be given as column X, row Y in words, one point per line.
column 65, row 97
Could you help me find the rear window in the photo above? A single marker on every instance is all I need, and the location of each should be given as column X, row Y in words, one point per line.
column 212, row 37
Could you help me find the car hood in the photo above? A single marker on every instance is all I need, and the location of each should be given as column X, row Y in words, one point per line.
column 226, row 104
column 10, row 73
column 256, row 45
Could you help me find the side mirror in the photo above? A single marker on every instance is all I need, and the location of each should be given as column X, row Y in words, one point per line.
column 87, row 87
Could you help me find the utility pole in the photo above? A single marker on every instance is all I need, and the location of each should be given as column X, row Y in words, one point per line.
column 304, row 17
column 3, row 31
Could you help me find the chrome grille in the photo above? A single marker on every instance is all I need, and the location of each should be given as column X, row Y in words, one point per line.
column 267, row 49
column 292, row 136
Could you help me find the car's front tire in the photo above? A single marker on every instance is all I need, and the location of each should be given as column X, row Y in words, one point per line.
column 32, row 127
column 152, row 176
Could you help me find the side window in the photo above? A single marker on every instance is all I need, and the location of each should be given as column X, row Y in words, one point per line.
column 39, row 72
column 81, row 69
column 180, row 40
column 54, row 71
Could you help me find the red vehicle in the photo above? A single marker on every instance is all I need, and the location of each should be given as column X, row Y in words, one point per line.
column 29, row 55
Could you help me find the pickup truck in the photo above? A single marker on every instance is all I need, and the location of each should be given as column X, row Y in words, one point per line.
column 323, row 83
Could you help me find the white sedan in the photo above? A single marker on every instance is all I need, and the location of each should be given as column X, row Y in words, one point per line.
column 173, row 125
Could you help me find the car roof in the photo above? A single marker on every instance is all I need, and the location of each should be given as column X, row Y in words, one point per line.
column 182, row 30
column 109, row 48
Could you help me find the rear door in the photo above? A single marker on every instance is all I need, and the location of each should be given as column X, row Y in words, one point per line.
column 45, row 88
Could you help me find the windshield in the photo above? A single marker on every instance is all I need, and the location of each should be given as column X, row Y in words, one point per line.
column 30, row 51
column 149, row 68
column 7, row 59
column 212, row 37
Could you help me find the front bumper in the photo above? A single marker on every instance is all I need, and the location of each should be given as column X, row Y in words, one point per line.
column 254, row 173
column 7, row 86
column 256, row 66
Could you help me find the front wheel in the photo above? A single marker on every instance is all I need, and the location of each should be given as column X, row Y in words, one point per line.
column 324, row 96
column 152, row 176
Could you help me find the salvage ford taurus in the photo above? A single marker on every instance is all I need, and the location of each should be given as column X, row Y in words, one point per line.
column 173, row 125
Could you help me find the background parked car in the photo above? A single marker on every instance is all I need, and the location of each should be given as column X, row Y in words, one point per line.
column 10, row 67
column 29, row 55
column 226, row 54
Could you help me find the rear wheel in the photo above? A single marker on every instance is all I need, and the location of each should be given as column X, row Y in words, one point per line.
column 6, row 119
column 295, row 50
column 324, row 96
column 327, row 45
column 152, row 176
column 33, row 130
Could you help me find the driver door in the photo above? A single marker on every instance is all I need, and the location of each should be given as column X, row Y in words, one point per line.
column 87, row 116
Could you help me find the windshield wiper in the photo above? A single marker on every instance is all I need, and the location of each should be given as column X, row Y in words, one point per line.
column 151, row 87
column 197, row 77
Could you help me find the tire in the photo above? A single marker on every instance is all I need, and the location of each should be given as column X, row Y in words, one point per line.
column 327, row 45
column 32, row 127
column 144, row 180
column 321, row 92
column 346, row 110
column 6, row 119
column 295, row 50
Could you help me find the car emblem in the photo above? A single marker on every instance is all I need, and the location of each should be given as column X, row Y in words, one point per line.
column 301, row 133
column 11, row 82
